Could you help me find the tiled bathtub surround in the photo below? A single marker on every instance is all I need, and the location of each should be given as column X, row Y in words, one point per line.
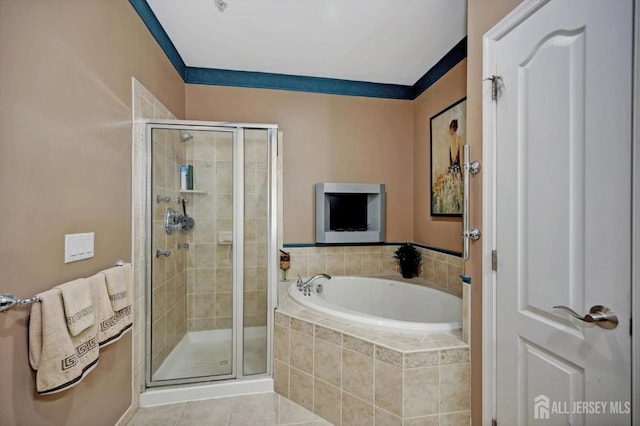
column 439, row 269
column 356, row 375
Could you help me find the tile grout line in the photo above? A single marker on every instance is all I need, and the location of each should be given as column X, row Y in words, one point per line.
column 181, row 414
column 373, row 398
column 341, row 379
column 230, row 411
column 313, row 368
column 341, row 405
column 439, row 383
column 403, row 393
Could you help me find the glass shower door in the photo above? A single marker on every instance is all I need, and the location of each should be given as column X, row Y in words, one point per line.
column 256, row 243
column 192, row 298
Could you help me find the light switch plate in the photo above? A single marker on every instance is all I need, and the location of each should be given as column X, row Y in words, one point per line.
column 78, row 246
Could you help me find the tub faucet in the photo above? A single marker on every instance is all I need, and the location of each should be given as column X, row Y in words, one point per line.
column 306, row 286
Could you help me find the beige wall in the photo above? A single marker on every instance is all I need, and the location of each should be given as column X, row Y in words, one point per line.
column 329, row 138
column 65, row 167
column 440, row 232
column 482, row 16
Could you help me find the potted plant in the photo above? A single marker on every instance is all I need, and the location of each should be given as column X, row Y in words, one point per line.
column 409, row 258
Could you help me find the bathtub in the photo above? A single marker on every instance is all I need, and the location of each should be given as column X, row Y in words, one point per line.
column 384, row 303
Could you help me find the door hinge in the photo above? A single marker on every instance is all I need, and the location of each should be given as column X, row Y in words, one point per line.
column 630, row 326
column 494, row 422
column 494, row 260
column 495, row 86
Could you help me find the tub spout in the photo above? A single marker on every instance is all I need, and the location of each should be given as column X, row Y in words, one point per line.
column 306, row 286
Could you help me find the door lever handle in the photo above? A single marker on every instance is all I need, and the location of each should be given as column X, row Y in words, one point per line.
column 600, row 315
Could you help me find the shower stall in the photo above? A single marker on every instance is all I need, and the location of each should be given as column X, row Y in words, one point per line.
column 210, row 247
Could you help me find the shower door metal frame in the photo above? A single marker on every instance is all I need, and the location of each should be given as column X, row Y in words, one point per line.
column 237, row 129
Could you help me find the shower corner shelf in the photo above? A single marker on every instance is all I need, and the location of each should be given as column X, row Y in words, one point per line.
column 192, row 191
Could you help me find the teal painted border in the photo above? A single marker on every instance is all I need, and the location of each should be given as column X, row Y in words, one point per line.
column 152, row 23
column 443, row 66
column 262, row 80
column 259, row 80
column 308, row 245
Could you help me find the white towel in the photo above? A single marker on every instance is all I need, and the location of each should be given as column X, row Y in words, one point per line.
column 112, row 324
column 61, row 360
column 117, row 286
column 78, row 306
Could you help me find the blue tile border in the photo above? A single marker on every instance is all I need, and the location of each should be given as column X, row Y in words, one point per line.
column 259, row 80
column 424, row 246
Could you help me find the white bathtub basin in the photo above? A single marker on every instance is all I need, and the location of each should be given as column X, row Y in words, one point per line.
column 384, row 302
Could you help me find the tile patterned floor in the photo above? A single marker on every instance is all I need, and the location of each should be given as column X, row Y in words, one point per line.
column 267, row 409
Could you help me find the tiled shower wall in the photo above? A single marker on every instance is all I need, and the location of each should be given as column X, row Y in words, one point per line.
column 209, row 273
column 439, row 269
column 168, row 300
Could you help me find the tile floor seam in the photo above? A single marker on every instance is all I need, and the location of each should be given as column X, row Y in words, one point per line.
column 341, row 382
column 313, row 369
column 402, row 389
column 184, row 407
column 373, row 399
column 230, row 410
column 439, row 387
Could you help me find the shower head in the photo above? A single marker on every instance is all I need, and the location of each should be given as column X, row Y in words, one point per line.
column 222, row 5
column 185, row 136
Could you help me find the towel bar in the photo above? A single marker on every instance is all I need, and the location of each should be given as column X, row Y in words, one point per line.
column 8, row 300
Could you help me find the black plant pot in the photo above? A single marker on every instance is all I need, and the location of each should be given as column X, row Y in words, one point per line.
column 409, row 269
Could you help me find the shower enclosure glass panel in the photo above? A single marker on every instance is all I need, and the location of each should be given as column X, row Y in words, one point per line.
column 192, row 281
column 256, row 208
column 208, row 245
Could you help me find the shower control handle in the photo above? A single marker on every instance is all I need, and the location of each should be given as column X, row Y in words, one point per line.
column 165, row 253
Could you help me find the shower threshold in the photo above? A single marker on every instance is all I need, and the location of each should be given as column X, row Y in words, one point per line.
column 208, row 353
column 185, row 358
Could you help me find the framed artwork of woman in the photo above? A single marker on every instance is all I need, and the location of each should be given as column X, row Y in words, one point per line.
column 448, row 134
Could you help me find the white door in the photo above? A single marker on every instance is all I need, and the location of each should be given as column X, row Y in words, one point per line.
column 563, row 210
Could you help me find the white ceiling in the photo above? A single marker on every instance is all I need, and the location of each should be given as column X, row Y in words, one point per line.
column 381, row 41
